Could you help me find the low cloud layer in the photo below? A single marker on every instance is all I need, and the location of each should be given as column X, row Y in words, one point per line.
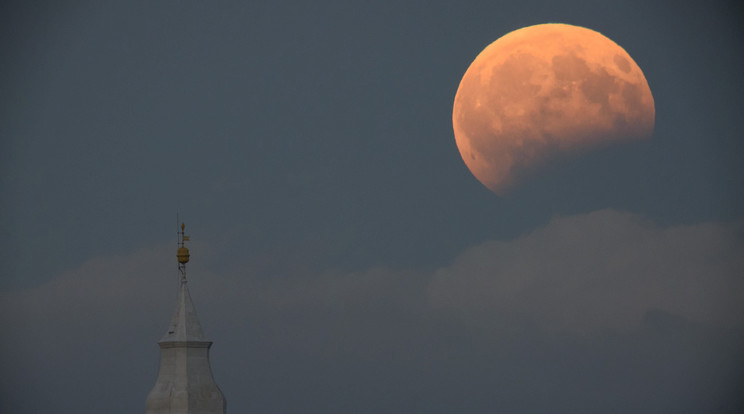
column 598, row 271
column 622, row 301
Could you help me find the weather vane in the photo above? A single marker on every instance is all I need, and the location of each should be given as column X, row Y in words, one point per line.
column 183, row 252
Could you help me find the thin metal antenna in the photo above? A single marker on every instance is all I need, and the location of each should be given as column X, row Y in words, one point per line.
column 178, row 244
column 182, row 253
column 178, row 224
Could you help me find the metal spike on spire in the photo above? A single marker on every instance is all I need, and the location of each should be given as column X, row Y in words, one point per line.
column 183, row 252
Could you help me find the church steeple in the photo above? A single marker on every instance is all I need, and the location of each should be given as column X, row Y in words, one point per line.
column 185, row 384
column 185, row 324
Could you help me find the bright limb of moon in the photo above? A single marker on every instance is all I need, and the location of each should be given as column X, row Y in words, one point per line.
column 543, row 93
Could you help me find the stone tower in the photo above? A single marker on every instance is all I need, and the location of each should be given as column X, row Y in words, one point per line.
column 185, row 384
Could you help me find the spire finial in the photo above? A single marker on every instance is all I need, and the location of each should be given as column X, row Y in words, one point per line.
column 183, row 252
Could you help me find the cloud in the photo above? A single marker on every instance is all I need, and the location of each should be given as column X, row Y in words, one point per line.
column 418, row 337
column 84, row 324
column 604, row 269
column 119, row 286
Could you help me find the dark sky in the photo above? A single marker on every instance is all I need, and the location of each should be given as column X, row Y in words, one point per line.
column 344, row 259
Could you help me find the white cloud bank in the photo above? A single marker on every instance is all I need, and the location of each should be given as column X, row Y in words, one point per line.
column 587, row 273
column 604, row 269
column 599, row 270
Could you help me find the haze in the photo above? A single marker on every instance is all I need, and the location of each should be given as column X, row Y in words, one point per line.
column 343, row 258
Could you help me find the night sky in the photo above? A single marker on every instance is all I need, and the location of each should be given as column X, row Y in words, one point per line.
column 343, row 258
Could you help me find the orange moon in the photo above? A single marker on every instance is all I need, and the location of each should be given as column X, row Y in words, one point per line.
column 544, row 93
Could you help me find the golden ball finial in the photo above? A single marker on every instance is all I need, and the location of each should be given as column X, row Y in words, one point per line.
column 183, row 252
column 183, row 255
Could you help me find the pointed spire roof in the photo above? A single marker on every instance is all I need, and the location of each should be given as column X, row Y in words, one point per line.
column 185, row 384
column 184, row 326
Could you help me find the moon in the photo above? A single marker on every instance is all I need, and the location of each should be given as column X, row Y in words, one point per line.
column 544, row 93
